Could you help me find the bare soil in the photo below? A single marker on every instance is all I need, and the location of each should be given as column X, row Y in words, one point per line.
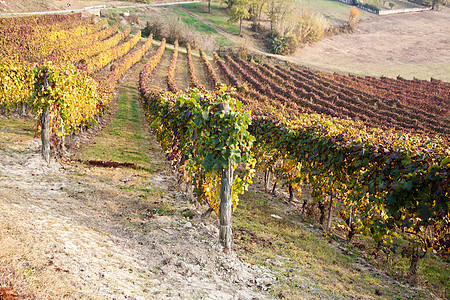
column 76, row 231
column 62, row 224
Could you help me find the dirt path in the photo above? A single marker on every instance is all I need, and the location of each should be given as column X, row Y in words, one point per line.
column 72, row 231
column 181, row 71
column 199, row 69
column 159, row 75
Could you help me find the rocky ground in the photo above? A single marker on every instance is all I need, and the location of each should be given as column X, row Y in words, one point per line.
column 78, row 233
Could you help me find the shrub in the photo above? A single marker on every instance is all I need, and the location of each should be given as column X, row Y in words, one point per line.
column 366, row 5
column 172, row 29
column 298, row 26
column 354, row 13
column 281, row 45
column 310, row 27
column 257, row 27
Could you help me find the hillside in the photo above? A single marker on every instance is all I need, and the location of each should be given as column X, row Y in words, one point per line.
column 340, row 163
column 409, row 45
column 15, row 6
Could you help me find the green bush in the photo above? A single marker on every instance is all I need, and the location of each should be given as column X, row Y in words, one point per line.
column 281, row 44
column 366, row 5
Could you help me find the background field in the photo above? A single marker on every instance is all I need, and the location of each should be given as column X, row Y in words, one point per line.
column 410, row 45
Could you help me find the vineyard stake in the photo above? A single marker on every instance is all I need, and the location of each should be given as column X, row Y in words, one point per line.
column 267, row 180
column 45, row 126
column 23, row 108
column 330, row 208
column 226, row 189
column 291, row 193
column 62, row 146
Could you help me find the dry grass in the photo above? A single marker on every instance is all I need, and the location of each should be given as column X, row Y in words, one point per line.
column 25, row 268
column 409, row 45
column 181, row 73
column 15, row 133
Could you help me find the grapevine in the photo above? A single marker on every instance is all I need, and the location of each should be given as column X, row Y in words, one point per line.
column 144, row 75
column 171, row 85
column 99, row 61
column 200, row 139
column 194, row 81
column 214, row 80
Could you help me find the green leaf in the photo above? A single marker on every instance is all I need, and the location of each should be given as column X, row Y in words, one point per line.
column 205, row 115
column 445, row 162
column 407, row 185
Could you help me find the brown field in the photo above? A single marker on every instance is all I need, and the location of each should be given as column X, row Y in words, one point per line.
column 410, row 45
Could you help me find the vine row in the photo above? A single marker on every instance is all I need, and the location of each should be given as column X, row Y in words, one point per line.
column 171, row 85
column 102, row 59
column 211, row 74
column 193, row 79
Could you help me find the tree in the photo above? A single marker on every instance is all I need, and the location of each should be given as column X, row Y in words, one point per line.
column 238, row 12
column 272, row 14
column 229, row 3
column 291, row 24
column 276, row 11
column 257, row 8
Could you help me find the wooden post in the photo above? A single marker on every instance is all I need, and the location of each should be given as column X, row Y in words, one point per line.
column 350, row 217
column 322, row 212
column 267, row 180
column 305, row 202
column 62, row 145
column 45, row 127
column 226, row 190
column 274, row 187
column 291, row 193
column 24, row 109
column 330, row 208
column 189, row 190
column 351, row 233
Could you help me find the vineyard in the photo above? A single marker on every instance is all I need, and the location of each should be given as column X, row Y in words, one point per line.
column 373, row 151
column 383, row 159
